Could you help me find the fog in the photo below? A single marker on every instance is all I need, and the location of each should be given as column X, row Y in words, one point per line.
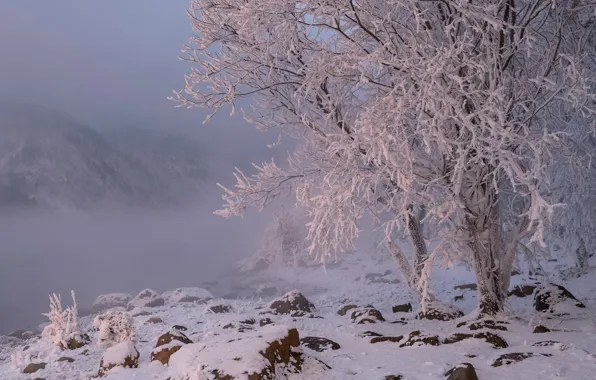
column 112, row 63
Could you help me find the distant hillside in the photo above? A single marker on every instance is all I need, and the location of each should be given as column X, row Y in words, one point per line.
column 47, row 159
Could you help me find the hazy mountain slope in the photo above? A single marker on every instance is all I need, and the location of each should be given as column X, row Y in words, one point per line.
column 48, row 159
column 176, row 158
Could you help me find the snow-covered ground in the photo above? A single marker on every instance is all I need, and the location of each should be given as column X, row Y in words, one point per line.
column 569, row 354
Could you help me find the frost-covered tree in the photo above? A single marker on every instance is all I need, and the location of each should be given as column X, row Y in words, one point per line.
column 115, row 327
column 63, row 330
column 454, row 106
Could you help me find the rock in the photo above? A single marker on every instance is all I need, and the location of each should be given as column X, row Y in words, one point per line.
column 110, row 301
column 366, row 315
column 220, row 309
column 171, row 336
column 22, row 334
column 163, row 353
column 34, row 367
column 344, row 309
column 514, row 357
column 65, row 359
column 554, row 298
column 466, row 287
column 141, row 313
column 179, row 328
column 522, row 290
column 167, row 345
column 490, row 338
column 405, row 308
column 440, row 312
column 485, row 324
column 393, row 377
column 367, row 334
column 188, row 295
column 154, row 320
column 464, row 371
column 541, row 329
column 78, row 342
column 123, row 354
column 294, row 303
column 265, row 321
column 547, row 343
column 146, row 299
column 381, row 339
column 319, row 344
column 250, row 321
column 273, row 347
column 417, row 338
column 458, row 298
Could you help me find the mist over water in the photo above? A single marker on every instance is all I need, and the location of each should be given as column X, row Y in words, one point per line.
column 113, row 251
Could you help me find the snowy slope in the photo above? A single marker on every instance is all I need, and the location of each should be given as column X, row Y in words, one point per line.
column 571, row 357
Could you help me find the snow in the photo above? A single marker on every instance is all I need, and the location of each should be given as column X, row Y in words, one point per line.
column 119, row 352
column 219, row 353
column 357, row 359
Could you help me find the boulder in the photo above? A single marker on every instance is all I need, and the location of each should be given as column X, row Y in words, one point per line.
column 110, row 301
column 381, row 339
column 344, row 309
column 404, row 308
column 23, row 334
column 188, row 295
column 293, row 303
column 555, row 299
column 34, row 367
column 319, row 344
column 265, row 322
column 366, row 315
column 65, row 359
column 514, row 357
column 464, row 371
column 123, row 354
column 172, row 335
column 417, row 338
column 256, row 355
column 146, row 299
column 393, row 377
column 466, row 287
column 541, row 329
column 485, row 324
column 367, row 334
column 440, row 312
column 522, row 290
column 493, row 339
column 220, row 309
column 153, row 320
column 179, row 328
column 78, row 341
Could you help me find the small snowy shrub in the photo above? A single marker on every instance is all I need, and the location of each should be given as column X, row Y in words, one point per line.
column 115, row 327
column 64, row 326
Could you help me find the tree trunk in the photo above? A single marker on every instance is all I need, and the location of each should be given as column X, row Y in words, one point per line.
column 488, row 251
column 413, row 273
column 418, row 243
